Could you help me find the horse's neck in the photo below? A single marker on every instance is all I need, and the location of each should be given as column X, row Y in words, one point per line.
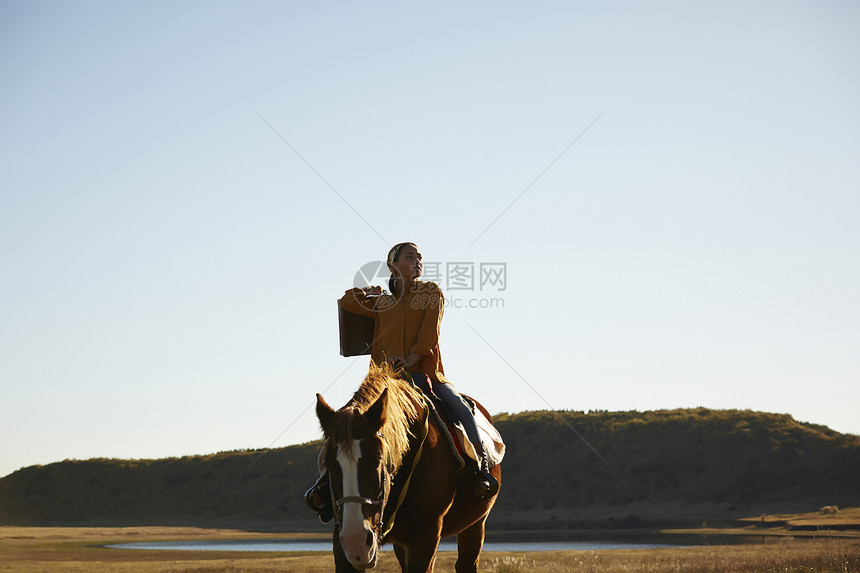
column 418, row 432
column 422, row 430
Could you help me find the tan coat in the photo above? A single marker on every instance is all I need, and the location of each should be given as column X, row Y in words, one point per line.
column 403, row 326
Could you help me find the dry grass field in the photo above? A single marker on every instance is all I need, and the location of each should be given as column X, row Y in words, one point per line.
column 826, row 518
column 25, row 550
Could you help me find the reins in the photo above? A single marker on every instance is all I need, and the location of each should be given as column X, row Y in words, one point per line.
column 425, row 427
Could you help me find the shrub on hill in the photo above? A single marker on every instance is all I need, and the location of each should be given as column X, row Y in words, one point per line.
column 692, row 455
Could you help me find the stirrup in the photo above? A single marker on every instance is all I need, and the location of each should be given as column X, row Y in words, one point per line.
column 317, row 500
column 487, row 485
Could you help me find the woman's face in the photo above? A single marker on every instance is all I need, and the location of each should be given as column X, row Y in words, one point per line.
column 409, row 263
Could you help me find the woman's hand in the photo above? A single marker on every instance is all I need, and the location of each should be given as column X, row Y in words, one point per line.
column 410, row 363
column 368, row 290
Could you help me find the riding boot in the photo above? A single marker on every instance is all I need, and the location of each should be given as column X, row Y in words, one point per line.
column 318, row 498
column 486, row 486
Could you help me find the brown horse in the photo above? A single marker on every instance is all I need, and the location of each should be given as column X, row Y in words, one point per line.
column 394, row 479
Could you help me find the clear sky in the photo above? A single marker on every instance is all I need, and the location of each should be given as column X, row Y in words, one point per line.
column 672, row 190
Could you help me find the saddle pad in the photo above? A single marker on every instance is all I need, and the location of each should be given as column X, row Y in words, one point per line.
column 459, row 441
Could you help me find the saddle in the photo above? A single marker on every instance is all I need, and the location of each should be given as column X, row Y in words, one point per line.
column 459, row 442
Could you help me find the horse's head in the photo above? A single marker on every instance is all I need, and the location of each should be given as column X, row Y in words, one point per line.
column 353, row 456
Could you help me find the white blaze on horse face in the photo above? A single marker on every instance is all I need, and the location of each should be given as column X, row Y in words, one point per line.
column 354, row 532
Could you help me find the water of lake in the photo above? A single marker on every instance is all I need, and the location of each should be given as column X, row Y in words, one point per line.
column 324, row 544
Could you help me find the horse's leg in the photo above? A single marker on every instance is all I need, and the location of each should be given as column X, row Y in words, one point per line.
column 421, row 555
column 469, row 544
column 400, row 553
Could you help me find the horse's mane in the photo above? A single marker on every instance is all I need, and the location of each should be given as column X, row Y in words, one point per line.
column 400, row 413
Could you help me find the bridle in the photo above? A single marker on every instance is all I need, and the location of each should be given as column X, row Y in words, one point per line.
column 380, row 531
column 379, row 504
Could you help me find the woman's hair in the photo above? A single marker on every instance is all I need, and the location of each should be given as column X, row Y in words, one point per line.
column 393, row 255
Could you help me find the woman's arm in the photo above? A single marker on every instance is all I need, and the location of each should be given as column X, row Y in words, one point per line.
column 359, row 301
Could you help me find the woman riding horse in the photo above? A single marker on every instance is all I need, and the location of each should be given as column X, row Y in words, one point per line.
column 406, row 336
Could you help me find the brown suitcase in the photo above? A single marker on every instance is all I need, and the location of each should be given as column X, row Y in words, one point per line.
column 356, row 332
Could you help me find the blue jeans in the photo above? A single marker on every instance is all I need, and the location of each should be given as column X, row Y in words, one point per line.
column 453, row 406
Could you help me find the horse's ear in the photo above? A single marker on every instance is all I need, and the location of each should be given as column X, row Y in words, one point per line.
column 375, row 415
column 324, row 412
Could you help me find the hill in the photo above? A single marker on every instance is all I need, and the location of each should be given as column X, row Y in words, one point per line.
column 654, row 467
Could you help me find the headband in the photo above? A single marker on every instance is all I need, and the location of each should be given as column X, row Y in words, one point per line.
column 392, row 254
